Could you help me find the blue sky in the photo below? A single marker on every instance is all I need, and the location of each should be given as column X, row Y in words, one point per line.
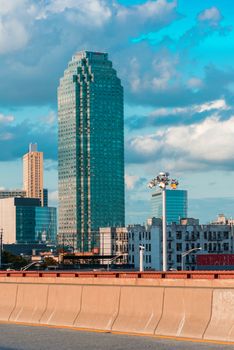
column 175, row 60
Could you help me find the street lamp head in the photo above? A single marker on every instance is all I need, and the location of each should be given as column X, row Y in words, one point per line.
column 163, row 174
column 162, row 184
column 141, row 247
column 150, row 184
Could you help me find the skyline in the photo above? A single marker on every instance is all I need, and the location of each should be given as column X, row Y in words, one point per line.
column 178, row 91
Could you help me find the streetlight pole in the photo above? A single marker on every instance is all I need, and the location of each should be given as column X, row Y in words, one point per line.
column 142, row 248
column 164, row 229
column 162, row 180
column 187, row 253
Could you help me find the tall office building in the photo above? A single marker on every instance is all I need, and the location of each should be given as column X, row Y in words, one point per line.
column 23, row 220
column 176, row 205
column 91, row 149
column 33, row 173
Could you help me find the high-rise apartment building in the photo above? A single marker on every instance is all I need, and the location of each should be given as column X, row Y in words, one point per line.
column 176, row 205
column 33, row 173
column 91, row 149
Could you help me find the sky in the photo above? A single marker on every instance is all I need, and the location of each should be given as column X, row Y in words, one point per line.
column 176, row 63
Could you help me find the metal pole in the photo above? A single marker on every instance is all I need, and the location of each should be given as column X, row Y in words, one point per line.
column 164, row 229
column 182, row 263
column 141, row 259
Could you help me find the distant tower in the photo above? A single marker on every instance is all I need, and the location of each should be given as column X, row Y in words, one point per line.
column 176, row 205
column 33, row 173
column 91, row 149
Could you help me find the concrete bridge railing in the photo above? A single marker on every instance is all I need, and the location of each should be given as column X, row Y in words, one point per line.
column 188, row 305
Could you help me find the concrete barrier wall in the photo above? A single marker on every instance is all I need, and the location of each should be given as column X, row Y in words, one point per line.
column 8, row 293
column 186, row 312
column 221, row 326
column 140, row 309
column 31, row 303
column 99, row 307
column 193, row 309
column 63, row 305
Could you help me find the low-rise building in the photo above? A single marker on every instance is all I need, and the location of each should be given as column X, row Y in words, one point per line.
column 114, row 241
column 189, row 234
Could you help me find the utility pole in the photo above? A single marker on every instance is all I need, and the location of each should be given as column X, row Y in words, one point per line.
column 142, row 248
column 162, row 180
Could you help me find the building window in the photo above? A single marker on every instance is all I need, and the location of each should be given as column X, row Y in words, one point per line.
column 179, row 247
column 226, row 246
column 178, row 235
column 178, row 258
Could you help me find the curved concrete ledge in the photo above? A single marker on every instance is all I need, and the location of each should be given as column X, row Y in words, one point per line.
column 198, row 309
column 63, row 305
column 8, row 294
column 99, row 307
column 221, row 326
column 140, row 310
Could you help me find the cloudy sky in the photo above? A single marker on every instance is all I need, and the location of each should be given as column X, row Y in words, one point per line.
column 176, row 62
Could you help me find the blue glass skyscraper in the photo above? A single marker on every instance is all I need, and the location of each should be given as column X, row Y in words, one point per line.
column 90, row 150
column 176, row 205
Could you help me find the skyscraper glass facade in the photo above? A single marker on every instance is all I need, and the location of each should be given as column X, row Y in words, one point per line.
column 91, row 149
column 176, row 205
column 34, row 223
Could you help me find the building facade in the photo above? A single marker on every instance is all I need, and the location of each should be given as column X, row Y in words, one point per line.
column 23, row 220
column 12, row 193
column 90, row 150
column 33, row 173
column 176, row 205
column 189, row 234
column 114, row 241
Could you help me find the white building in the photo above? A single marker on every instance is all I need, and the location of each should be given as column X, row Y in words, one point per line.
column 114, row 241
column 212, row 238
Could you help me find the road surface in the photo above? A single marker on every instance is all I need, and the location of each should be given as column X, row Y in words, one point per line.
column 19, row 337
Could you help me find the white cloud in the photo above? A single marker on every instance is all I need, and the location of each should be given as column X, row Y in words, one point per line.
column 194, row 83
column 219, row 105
column 6, row 118
column 16, row 18
column 147, row 10
column 211, row 15
column 9, row 6
column 189, row 147
column 89, row 13
column 13, row 35
column 130, row 181
column 211, row 140
column 53, row 195
column 209, row 106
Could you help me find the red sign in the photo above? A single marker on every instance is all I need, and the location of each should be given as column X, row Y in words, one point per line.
column 215, row 259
